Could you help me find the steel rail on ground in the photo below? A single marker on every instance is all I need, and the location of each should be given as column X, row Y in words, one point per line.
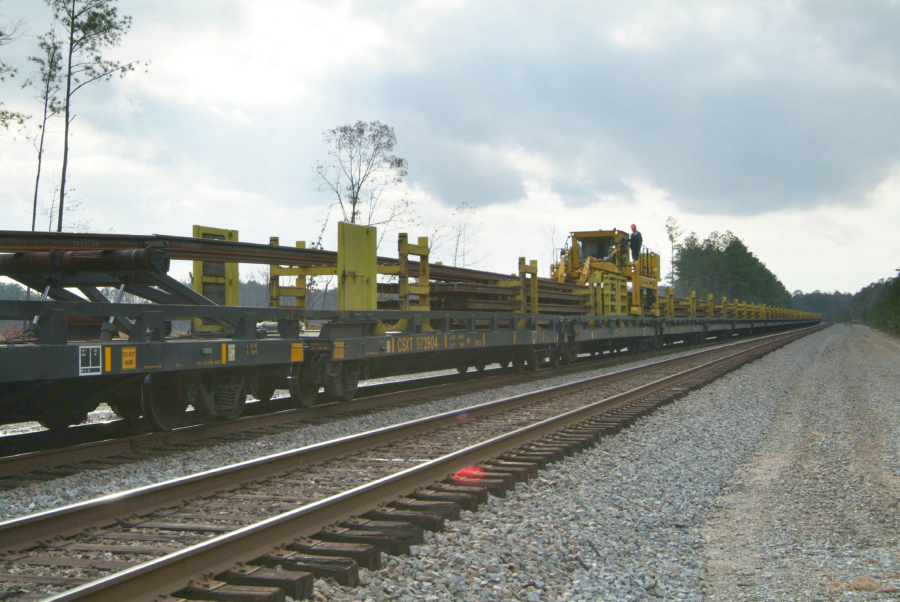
column 12, row 465
column 171, row 572
column 22, row 532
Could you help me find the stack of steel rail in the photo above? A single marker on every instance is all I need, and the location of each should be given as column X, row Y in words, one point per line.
column 458, row 288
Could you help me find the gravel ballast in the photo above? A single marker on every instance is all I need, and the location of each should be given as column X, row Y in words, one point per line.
column 630, row 519
column 45, row 495
column 814, row 514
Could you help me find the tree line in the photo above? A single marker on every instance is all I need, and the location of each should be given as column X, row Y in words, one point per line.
column 722, row 264
column 877, row 304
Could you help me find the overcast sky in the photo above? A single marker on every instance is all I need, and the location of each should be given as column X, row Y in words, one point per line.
column 779, row 121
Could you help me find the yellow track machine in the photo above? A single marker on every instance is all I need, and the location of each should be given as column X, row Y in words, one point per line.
column 601, row 259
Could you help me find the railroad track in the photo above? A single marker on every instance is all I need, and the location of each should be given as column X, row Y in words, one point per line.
column 163, row 538
column 40, row 456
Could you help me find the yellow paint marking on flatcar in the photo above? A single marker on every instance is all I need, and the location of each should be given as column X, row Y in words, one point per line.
column 129, row 358
column 107, row 359
column 296, row 352
column 224, row 353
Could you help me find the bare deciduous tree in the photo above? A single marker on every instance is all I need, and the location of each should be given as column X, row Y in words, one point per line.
column 47, row 82
column 52, row 213
column 552, row 235
column 89, row 27
column 438, row 235
column 673, row 232
column 464, row 229
column 359, row 168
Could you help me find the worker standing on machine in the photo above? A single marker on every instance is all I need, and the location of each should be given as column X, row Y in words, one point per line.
column 636, row 242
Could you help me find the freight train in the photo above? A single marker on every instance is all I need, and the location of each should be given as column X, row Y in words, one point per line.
column 82, row 346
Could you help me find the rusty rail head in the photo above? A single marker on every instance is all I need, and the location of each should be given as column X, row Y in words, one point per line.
column 60, row 261
column 171, row 572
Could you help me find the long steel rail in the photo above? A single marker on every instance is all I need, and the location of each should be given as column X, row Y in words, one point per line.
column 16, row 533
column 202, row 249
column 170, row 573
column 442, row 386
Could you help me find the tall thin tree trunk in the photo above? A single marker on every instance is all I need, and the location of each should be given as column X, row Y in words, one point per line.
column 673, row 266
column 37, row 179
column 62, row 183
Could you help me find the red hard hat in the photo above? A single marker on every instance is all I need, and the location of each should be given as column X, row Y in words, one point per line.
column 633, row 227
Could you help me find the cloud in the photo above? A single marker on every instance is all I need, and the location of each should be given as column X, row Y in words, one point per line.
column 752, row 117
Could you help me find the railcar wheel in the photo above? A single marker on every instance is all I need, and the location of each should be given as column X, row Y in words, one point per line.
column 265, row 392
column 197, row 390
column 302, row 387
column 462, row 369
column 570, row 354
column 480, row 368
column 519, row 362
column 63, row 418
column 534, row 361
column 55, row 423
column 161, row 405
column 556, row 359
column 126, row 409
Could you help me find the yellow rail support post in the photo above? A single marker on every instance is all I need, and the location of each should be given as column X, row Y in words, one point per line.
column 614, row 294
column 710, row 306
column 422, row 287
column 279, row 293
column 218, row 281
column 403, row 271
column 595, row 290
column 296, row 295
column 357, row 267
column 670, row 302
column 526, row 269
column 693, row 299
